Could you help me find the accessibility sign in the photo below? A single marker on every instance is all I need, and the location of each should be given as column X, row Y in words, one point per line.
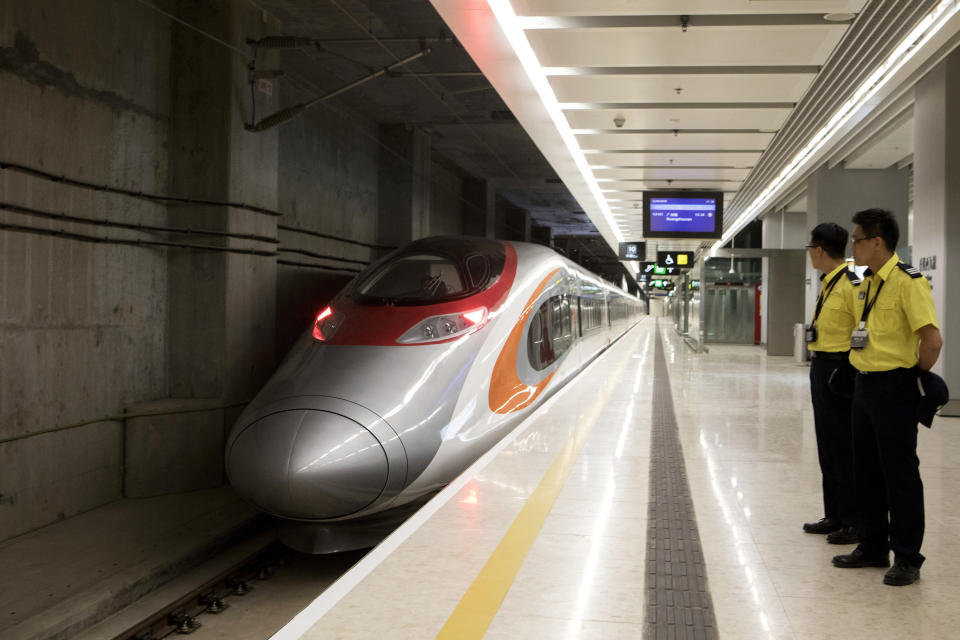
column 675, row 259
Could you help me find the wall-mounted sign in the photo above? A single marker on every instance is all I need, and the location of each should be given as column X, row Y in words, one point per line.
column 651, row 269
column 675, row 259
column 633, row 250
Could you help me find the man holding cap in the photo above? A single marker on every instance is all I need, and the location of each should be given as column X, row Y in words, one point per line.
column 896, row 339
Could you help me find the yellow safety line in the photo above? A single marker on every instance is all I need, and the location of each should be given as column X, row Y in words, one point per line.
column 480, row 603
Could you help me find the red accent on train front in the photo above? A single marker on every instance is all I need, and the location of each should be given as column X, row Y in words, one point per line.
column 383, row 325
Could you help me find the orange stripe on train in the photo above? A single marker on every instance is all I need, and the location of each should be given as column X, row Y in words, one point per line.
column 507, row 392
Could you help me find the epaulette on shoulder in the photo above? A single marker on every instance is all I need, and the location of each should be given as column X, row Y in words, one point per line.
column 854, row 280
column 913, row 272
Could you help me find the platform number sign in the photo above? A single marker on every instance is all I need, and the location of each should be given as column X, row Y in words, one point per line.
column 632, row 250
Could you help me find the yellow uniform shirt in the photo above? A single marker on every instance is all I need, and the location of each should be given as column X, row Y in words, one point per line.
column 904, row 305
column 836, row 319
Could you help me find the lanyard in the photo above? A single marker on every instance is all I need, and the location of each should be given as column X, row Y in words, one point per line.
column 824, row 294
column 869, row 304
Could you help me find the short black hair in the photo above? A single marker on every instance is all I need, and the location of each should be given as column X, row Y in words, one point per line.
column 830, row 237
column 879, row 222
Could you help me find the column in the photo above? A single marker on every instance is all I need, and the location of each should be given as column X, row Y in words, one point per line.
column 404, row 185
column 936, row 206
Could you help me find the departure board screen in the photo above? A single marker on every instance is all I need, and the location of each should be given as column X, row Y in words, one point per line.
column 682, row 215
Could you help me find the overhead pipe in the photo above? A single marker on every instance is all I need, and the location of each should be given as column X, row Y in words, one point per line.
column 288, row 114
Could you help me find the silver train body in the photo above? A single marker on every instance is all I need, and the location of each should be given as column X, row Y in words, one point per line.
column 416, row 368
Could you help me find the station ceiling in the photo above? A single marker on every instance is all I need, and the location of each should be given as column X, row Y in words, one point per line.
column 574, row 108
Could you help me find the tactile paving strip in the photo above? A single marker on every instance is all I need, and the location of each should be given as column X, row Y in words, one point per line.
column 678, row 602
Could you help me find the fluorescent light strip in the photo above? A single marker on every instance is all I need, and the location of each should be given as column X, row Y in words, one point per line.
column 908, row 47
column 510, row 24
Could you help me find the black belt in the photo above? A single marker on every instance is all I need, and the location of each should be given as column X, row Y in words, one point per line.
column 830, row 355
column 897, row 370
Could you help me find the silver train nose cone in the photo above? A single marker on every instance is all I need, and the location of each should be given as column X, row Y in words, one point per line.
column 307, row 464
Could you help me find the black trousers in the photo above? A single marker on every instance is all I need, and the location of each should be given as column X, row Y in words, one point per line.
column 886, row 466
column 831, row 419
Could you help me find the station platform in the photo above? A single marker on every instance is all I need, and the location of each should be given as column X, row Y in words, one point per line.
column 660, row 495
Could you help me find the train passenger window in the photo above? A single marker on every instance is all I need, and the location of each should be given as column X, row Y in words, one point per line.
column 551, row 332
column 592, row 313
column 432, row 270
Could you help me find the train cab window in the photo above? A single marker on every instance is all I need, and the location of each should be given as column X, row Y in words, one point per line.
column 432, row 270
column 551, row 332
column 421, row 276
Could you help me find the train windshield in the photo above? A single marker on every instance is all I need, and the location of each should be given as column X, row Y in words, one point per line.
column 432, row 270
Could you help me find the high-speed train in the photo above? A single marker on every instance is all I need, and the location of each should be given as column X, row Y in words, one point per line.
column 419, row 366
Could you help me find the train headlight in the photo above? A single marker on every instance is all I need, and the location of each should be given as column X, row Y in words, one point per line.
column 326, row 324
column 438, row 328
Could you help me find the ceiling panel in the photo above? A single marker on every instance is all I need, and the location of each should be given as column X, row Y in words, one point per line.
column 631, row 190
column 718, row 46
column 686, row 88
column 632, row 7
column 678, row 118
column 659, row 159
column 631, row 184
column 680, row 141
column 664, row 173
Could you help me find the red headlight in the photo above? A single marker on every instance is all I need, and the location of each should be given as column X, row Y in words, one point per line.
column 326, row 324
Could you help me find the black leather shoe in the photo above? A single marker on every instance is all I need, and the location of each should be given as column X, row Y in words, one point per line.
column 901, row 574
column 857, row 559
column 847, row 535
column 825, row 525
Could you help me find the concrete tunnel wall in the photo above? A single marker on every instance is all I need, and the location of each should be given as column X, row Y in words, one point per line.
column 117, row 94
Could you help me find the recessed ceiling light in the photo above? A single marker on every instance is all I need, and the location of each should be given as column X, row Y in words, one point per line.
column 839, row 17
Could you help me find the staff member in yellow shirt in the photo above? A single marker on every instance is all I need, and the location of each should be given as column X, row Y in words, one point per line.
column 828, row 339
column 896, row 336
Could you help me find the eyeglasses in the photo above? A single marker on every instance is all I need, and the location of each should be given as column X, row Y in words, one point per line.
column 856, row 240
column 813, row 246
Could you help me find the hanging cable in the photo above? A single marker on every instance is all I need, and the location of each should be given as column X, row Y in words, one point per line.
column 61, row 179
column 28, row 211
column 69, row 235
column 294, row 263
column 291, row 112
column 312, row 254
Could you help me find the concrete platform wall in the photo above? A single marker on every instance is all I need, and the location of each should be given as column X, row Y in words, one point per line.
column 82, row 327
column 117, row 94
column 328, row 183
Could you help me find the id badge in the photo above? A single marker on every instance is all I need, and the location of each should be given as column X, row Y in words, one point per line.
column 810, row 333
column 858, row 339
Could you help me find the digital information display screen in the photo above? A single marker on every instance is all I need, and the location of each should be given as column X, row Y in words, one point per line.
column 683, row 215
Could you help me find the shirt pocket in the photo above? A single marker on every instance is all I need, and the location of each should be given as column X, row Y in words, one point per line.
column 888, row 316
